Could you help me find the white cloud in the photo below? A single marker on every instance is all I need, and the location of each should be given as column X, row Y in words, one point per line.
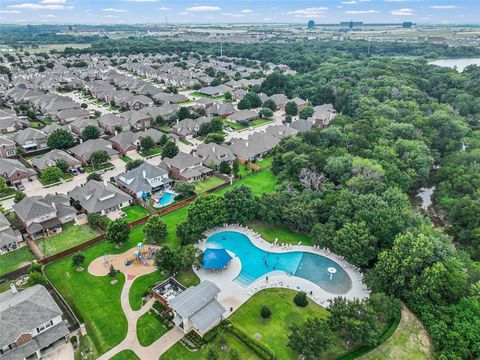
column 53, row 2
column 313, row 12
column 110, row 16
column 164, row 8
column 10, row 12
column 203, row 8
column 350, row 2
column 246, row 11
column 356, row 12
column 402, row 12
column 443, row 7
column 49, row 16
column 32, row 6
column 140, row 1
column 114, row 10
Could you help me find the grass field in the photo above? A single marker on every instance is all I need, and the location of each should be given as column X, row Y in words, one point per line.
column 93, row 299
column 140, row 285
column 180, row 351
column 126, row 159
column 260, row 182
column 151, row 152
column 282, row 233
column 125, row 355
column 409, row 342
column 274, row 330
column 105, row 166
column 71, row 236
column 150, row 327
column 15, row 259
column 134, row 212
column 207, row 184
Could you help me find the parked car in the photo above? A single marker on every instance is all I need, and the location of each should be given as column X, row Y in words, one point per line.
column 20, row 186
column 74, row 172
column 81, row 170
column 100, row 172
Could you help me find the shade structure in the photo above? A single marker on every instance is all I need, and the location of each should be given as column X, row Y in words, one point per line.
column 215, row 258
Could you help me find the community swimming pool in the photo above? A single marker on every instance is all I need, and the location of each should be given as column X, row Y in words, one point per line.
column 257, row 263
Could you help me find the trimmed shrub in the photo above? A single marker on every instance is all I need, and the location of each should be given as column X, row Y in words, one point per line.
column 300, row 299
column 265, row 312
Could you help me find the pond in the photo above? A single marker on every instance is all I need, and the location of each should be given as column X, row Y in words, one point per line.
column 258, row 263
column 461, row 64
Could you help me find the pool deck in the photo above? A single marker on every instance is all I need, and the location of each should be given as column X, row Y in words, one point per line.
column 233, row 295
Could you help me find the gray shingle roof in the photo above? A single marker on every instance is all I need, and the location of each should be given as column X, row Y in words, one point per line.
column 24, row 311
column 142, row 178
column 95, row 196
column 28, row 134
column 194, row 298
column 50, row 159
column 9, row 166
column 88, row 147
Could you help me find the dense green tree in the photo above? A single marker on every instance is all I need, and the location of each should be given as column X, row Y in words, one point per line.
column 306, row 112
column 291, row 108
column 269, row 104
column 98, row 157
column 60, row 139
column 155, row 230
column 118, row 232
column 311, row 338
column 241, row 205
column 184, row 190
column 94, row 176
column 170, row 149
column 354, row 241
column 19, row 195
column 51, row 175
column 146, row 143
column 90, row 132
column 62, row 165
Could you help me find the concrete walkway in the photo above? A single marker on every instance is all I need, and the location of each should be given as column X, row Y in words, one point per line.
column 130, row 342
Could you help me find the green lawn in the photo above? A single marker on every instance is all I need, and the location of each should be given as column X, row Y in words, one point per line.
column 282, row 233
column 188, row 278
column 126, row 159
column 140, row 285
column 105, row 166
column 180, row 351
column 93, row 299
column 134, row 212
column 274, row 331
column 165, row 128
column 207, row 184
column 150, row 327
column 259, row 122
column 234, row 125
column 125, row 355
column 260, row 182
column 15, row 259
column 265, row 163
column 9, row 193
column 172, row 220
column 71, row 236
column 409, row 342
column 151, row 152
column 206, row 95
column 186, row 142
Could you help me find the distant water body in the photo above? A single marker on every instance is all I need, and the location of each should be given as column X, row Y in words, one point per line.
column 461, row 64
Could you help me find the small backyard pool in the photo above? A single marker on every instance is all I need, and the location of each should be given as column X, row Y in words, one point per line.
column 257, row 263
column 166, row 198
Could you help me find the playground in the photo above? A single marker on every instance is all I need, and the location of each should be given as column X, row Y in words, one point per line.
column 133, row 262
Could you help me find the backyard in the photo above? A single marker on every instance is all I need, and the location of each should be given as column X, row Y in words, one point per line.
column 72, row 235
column 260, row 182
column 134, row 212
column 207, row 184
column 15, row 259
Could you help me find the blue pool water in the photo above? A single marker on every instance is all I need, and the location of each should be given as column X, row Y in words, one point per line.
column 167, row 198
column 257, row 263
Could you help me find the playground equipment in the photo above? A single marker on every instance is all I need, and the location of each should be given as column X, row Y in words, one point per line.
column 141, row 255
column 105, row 260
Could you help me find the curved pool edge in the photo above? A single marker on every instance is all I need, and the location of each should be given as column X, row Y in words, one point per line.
column 319, row 295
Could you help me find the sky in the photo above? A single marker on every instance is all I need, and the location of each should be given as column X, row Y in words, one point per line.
column 237, row 11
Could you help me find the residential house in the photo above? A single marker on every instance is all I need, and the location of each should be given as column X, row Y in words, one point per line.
column 222, row 110
column 136, row 102
column 84, row 150
column 197, row 308
column 69, row 115
column 280, row 100
column 246, row 150
column 280, row 131
column 14, row 172
column 124, row 142
column 301, row 104
column 243, row 116
column 44, row 216
column 186, row 167
column 99, row 198
column 7, row 147
column 52, row 157
column 219, row 90
column 163, row 97
column 110, row 123
column 9, row 239
column 166, row 111
column 137, row 119
column 31, row 139
column 31, row 323
column 77, row 126
column 188, row 128
column 301, row 125
column 239, row 94
column 9, row 121
column 323, row 114
column 213, row 154
column 145, row 178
